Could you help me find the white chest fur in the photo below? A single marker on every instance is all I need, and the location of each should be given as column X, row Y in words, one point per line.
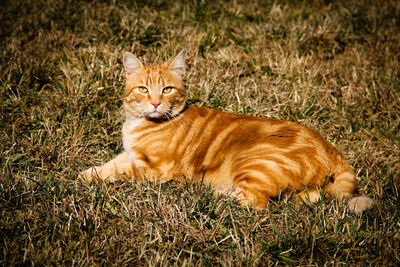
column 129, row 136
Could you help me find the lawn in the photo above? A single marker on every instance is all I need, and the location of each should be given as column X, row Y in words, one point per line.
column 331, row 65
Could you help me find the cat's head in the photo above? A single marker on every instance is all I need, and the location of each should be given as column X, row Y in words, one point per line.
column 154, row 91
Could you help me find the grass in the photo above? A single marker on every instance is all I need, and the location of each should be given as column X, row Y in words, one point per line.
column 331, row 65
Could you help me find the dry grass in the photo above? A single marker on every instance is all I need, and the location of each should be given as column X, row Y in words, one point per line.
column 333, row 66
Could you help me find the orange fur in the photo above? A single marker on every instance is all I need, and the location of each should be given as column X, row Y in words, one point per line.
column 256, row 158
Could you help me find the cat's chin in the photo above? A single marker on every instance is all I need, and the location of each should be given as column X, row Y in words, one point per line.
column 155, row 115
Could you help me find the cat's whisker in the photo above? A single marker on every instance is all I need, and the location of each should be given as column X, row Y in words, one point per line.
column 171, row 121
column 180, row 116
column 176, row 119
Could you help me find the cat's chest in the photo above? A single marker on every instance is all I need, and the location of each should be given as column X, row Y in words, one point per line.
column 130, row 136
column 141, row 139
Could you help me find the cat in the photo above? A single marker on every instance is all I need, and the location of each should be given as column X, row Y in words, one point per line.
column 252, row 158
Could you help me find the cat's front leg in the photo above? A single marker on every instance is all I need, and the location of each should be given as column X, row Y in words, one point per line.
column 119, row 167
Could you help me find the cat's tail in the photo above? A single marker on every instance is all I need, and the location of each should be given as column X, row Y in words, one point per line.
column 344, row 186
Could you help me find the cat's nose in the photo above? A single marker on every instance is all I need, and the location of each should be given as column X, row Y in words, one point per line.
column 156, row 104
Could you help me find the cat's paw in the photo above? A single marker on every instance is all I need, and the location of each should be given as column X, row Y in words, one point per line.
column 90, row 174
column 95, row 173
column 310, row 196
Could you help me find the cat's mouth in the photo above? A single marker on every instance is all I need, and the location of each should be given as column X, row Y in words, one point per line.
column 165, row 114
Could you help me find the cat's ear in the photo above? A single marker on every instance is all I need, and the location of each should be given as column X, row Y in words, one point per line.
column 131, row 64
column 177, row 64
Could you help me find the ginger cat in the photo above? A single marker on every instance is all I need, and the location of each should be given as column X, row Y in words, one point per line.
column 255, row 158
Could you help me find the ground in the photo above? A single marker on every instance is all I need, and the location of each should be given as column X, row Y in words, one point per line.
column 331, row 65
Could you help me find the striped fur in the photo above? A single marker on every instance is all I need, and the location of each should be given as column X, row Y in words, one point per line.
column 255, row 158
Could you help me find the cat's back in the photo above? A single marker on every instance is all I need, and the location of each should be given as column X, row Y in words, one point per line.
column 236, row 132
column 203, row 127
column 239, row 124
column 224, row 142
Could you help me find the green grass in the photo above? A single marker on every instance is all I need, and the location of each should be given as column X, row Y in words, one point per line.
column 333, row 66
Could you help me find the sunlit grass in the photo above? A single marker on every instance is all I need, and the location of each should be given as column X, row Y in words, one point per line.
column 333, row 66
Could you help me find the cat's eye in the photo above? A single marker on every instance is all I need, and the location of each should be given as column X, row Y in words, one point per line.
column 167, row 90
column 143, row 89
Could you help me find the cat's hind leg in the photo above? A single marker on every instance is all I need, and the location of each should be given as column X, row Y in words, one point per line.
column 111, row 170
column 255, row 189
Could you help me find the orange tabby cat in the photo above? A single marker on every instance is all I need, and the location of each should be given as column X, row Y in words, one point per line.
column 255, row 158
